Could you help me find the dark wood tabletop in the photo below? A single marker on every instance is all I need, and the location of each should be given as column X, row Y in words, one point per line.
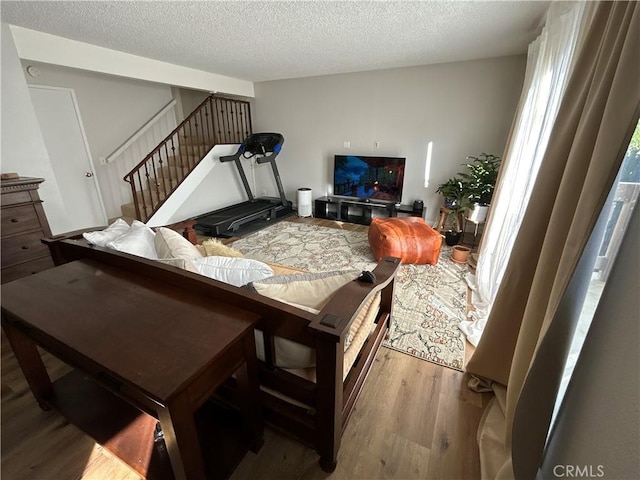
column 159, row 346
column 175, row 335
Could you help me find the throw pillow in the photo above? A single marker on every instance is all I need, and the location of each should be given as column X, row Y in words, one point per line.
column 366, row 316
column 113, row 231
column 358, row 334
column 312, row 290
column 288, row 354
column 180, row 263
column 137, row 241
column 170, row 244
column 284, row 270
column 214, row 247
column 235, row 271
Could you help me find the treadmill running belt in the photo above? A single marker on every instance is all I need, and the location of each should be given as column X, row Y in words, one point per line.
column 232, row 217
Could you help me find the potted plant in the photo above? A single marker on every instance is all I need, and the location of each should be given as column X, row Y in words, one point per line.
column 481, row 182
column 456, row 194
column 453, row 235
column 453, row 192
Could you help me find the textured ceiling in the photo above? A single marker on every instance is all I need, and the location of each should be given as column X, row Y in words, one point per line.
column 268, row 40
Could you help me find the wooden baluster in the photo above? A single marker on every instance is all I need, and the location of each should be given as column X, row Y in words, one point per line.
column 205, row 126
column 240, row 133
column 169, row 166
column 137, row 205
column 163, row 180
column 233, row 121
column 243, row 120
column 212, row 128
column 218, row 121
column 248, row 119
column 200, row 136
column 182, row 141
column 224, row 124
column 223, row 138
column 150, row 165
column 202, row 139
column 131, row 180
column 227, row 108
column 189, row 146
column 178, row 158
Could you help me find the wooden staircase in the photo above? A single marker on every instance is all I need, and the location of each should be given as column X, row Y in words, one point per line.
column 216, row 121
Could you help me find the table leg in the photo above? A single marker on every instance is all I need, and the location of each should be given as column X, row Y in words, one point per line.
column 30, row 361
column 249, row 389
column 442, row 220
column 181, row 438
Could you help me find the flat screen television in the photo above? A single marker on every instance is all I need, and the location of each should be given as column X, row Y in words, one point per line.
column 375, row 178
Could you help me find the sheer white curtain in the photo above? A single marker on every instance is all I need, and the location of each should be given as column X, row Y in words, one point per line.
column 549, row 61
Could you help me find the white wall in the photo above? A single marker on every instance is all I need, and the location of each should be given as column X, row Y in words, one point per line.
column 112, row 108
column 44, row 47
column 22, row 146
column 191, row 99
column 211, row 185
column 598, row 426
column 464, row 108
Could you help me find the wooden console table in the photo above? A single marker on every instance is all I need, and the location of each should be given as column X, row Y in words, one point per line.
column 160, row 348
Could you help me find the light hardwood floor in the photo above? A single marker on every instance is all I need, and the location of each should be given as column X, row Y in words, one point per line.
column 413, row 420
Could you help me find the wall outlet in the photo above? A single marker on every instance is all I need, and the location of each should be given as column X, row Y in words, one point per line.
column 347, row 144
column 376, row 144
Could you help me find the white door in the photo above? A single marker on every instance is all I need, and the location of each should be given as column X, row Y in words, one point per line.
column 61, row 125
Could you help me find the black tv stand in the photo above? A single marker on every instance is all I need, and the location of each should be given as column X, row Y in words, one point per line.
column 360, row 210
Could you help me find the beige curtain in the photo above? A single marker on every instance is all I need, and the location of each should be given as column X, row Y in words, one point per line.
column 550, row 60
column 587, row 144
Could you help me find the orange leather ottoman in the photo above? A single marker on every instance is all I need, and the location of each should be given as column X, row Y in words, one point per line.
column 408, row 238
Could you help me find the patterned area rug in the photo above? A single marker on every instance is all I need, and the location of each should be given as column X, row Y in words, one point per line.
column 430, row 300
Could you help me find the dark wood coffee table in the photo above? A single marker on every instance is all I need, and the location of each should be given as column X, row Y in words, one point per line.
column 140, row 342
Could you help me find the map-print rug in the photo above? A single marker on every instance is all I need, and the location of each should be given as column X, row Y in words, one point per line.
column 429, row 302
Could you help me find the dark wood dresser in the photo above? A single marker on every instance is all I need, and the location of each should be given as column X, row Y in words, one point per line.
column 24, row 224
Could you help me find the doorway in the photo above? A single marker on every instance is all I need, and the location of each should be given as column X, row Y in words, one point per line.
column 59, row 118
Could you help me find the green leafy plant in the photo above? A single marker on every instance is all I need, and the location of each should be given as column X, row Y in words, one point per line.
column 454, row 191
column 456, row 194
column 476, row 185
column 481, row 178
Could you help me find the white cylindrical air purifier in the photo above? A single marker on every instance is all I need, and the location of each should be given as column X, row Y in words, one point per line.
column 304, row 202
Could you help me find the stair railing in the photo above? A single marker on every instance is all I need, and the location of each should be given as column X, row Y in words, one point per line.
column 216, row 121
column 140, row 132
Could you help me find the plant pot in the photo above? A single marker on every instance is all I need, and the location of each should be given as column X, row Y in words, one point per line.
column 452, row 238
column 450, row 202
column 460, row 254
column 478, row 214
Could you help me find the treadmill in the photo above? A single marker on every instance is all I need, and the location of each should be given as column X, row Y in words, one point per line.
column 225, row 221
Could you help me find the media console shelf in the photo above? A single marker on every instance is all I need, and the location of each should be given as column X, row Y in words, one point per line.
column 360, row 211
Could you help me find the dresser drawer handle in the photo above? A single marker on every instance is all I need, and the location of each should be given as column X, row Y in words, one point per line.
column 25, row 247
column 15, row 220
